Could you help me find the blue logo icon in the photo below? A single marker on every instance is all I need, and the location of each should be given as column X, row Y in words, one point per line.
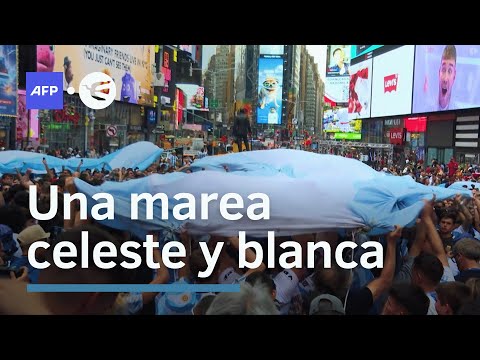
column 44, row 90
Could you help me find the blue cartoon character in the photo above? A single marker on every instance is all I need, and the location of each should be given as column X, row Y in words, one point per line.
column 128, row 89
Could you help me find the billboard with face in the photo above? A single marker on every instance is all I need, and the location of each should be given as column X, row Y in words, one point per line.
column 338, row 73
column 447, row 77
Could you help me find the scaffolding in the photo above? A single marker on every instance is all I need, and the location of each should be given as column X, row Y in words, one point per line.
column 378, row 155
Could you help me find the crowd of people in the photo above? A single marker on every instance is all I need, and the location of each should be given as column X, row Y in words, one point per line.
column 432, row 268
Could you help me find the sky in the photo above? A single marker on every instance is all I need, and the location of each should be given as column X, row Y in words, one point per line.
column 208, row 51
column 319, row 53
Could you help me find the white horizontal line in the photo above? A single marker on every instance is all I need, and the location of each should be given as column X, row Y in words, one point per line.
column 466, row 136
column 467, row 118
column 466, row 144
column 467, row 127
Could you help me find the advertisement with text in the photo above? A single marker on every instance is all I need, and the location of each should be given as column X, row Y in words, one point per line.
column 130, row 66
column 338, row 73
column 392, row 82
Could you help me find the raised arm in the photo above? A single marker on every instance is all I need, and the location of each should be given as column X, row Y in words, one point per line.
column 79, row 167
column 384, row 281
column 49, row 172
column 432, row 234
column 467, row 216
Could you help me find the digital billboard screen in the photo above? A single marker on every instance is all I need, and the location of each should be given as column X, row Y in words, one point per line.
column 358, row 50
column 272, row 49
column 337, row 73
column 194, row 96
column 8, row 80
column 130, row 66
column 447, row 77
column 337, row 121
column 360, row 90
column 270, row 82
column 392, row 82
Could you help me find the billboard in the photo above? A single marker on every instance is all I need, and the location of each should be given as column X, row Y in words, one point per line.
column 447, row 77
column 194, row 96
column 8, row 80
column 338, row 73
column 187, row 48
column 151, row 116
column 416, row 124
column 130, row 66
column 272, row 49
column 358, row 50
column 22, row 119
column 337, row 121
column 270, row 83
column 360, row 90
column 392, row 82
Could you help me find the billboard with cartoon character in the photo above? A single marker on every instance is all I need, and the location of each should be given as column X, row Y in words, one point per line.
column 8, row 80
column 270, row 82
column 130, row 66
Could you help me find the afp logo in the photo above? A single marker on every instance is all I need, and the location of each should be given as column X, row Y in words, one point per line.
column 44, row 90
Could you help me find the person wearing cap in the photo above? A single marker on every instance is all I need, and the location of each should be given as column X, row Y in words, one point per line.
column 26, row 238
column 326, row 304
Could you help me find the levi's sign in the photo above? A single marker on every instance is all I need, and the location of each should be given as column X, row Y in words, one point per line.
column 390, row 83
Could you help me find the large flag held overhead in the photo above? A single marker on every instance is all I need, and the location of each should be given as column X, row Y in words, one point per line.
column 140, row 154
column 306, row 193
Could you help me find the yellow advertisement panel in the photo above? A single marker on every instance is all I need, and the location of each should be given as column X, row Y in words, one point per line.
column 130, row 66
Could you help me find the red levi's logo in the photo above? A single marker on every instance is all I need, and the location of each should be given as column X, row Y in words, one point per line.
column 390, row 83
column 396, row 136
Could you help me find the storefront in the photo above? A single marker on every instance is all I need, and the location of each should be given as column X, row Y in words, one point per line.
column 63, row 129
column 5, row 131
column 415, row 137
column 394, row 133
column 440, row 137
column 118, row 117
column 135, row 134
column 372, row 131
